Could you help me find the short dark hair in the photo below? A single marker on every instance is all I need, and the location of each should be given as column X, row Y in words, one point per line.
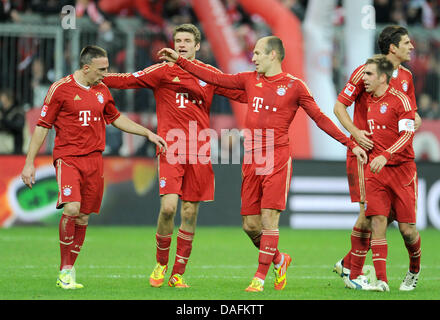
column 275, row 43
column 390, row 35
column 188, row 27
column 90, row 52
column 383, row 65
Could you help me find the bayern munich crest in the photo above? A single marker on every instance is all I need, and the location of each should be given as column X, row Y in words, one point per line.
column 405, row 86
column 67, row 190
column 281, row 91
column 383, row 108
column 44, row 111
column 202, row 83
column 162, row 182
column 100, row 97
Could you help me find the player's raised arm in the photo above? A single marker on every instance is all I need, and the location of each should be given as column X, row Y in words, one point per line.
column 146, row 78
column 220, row 79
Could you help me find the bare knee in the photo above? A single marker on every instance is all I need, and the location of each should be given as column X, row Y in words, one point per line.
column 189, row 213
column 82, row 219
column 252, row 225
column 72, row 209
column 167, row 211
column 408, row 232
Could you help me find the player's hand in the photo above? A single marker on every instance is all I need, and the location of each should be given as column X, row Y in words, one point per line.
column 168, row 54
column 377, row 164
column 360, row 154
column 362, row 139
column 28, row 175
column 158, row 141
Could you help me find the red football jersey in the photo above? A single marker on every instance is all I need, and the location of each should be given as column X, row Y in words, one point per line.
column 390, row 119
column 79, row 115
column 272, row 104
column 183, row 102
column 354, row 91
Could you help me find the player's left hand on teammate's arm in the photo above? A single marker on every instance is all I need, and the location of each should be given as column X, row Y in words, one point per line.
column 168, row 54
column 360, row 154
column 378, row 163
column 158, row 140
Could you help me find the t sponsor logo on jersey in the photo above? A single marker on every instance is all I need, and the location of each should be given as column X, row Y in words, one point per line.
column 67, row 190
column 162, row 182
column 44, row 111
column 281, row 91
column 202, row 83
column 138, row 74
column 181, row 99
column 257, row 103
column 84, row 116
column 100, row 97
column 383, row 108
column 349, row 89
column 405, row 85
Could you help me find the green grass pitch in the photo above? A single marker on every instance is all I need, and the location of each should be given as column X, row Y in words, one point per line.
column 115, row 264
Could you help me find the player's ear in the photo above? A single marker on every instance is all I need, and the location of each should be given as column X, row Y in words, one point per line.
column 273, row 55
column 197, row 46
column 86, row 68
column 393, row 48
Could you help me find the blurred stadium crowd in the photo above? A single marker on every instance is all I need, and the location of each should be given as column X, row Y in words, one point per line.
column 157, row 19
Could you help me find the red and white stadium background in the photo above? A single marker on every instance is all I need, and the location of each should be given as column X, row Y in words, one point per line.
column 318, row 197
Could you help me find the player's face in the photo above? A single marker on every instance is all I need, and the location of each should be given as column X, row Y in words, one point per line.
column 261, row 59
column 371, row 78
column 185, row 45
column 96, row 70
column 403, row 51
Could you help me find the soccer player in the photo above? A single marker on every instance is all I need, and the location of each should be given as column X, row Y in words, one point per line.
column 273, row 99
column 394, row 42
column 183, row 105
column 79, row 106
column 391, row 175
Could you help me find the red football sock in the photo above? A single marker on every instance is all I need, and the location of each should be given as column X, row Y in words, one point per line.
column 347, row 260
column 360, row 244
column 379, row 248
column 163, row 248
column 66, row 233
column 414, row 252
column 78, row 240
column 183, row 251
column 268, row 247
column 276, row 257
